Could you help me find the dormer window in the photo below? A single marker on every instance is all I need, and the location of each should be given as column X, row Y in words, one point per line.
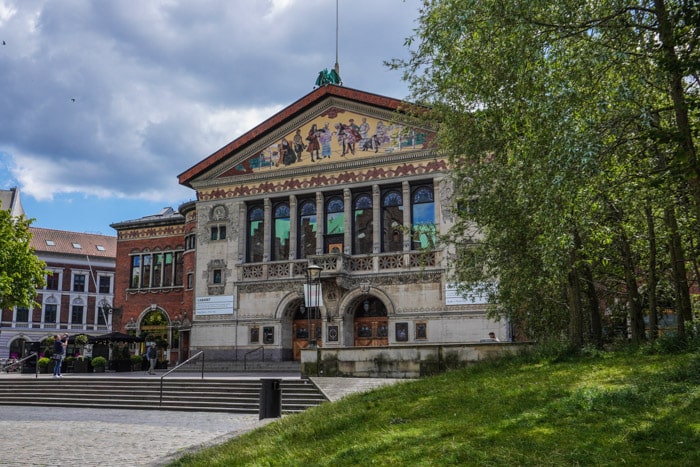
column 77, row 246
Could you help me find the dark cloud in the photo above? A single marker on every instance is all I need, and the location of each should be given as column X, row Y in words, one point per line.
column 117, row 98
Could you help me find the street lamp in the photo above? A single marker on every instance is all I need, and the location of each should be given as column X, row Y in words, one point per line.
column 313, row 279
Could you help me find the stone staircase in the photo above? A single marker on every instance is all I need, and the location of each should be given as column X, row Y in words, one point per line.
column 181, row 393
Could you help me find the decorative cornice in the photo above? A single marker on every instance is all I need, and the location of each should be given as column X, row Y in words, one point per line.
column 320, row 180
column 152, row 232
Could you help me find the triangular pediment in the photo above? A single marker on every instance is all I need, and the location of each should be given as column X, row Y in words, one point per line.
column 330, row 127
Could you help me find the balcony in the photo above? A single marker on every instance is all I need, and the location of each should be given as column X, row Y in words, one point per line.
column 339, row 265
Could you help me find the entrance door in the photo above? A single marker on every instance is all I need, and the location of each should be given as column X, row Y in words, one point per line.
column 306, row 329
column 371, row 324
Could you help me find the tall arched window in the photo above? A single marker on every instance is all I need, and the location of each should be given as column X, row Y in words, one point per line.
column 335, row 224
column 280, row 232
column 392, row 221
column 362, row 224
column 307, row 228
column 423, row 217
column 256, row 234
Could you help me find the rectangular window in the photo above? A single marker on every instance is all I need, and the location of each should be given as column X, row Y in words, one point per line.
column 79, row 283
column 135, row 272
column 101, row 316
column 168, row 270
column 190, row 280
column 22, row 315
column 157, row 269
column 178, row 268
column 52, row 281
column 218, row 232
column 50, row 312
column 76, row 314
column 105, row 285
column 146, row 272
column 216, row 279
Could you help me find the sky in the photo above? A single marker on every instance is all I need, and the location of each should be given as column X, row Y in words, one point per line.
column 103, row 103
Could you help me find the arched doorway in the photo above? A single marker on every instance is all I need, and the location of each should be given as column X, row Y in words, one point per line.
column 371, row 323
column 306, row 329
column 155, row 327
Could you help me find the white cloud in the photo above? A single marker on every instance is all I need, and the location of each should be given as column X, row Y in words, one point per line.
column 114, row 99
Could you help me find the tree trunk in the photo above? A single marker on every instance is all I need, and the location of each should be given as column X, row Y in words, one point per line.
column 653, row 280
column 573, row 296
column 683, row 306
column 635, row 310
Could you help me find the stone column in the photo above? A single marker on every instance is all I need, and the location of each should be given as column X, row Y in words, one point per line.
column 347, row 207
column 320, row 223
column 293, row 227
column 267, row 247
column 406, row 216
column 376, row 219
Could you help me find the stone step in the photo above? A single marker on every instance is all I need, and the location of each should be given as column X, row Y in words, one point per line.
column 221, row 395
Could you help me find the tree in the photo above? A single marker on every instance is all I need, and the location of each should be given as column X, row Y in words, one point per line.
column 555, row 115
column 21, row 271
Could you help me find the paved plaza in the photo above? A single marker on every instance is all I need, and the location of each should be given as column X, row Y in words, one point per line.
column 63, row 436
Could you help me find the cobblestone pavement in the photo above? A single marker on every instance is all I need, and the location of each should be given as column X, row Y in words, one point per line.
column 44, row 436
column 64, row 436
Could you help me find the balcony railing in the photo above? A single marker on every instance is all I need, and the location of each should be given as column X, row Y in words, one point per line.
column 339, row 264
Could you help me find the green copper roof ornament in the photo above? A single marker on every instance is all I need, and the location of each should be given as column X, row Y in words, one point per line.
column 328, row 77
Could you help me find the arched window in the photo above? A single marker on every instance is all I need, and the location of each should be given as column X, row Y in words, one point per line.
column 392, row 221
column 307, row 228
column 362, row 224
column 423, row 217
column 335, row 224
column 280, row 232
column 256, row 234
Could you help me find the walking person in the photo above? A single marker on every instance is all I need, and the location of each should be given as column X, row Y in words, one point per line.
column 59, row 351
column 152, row 356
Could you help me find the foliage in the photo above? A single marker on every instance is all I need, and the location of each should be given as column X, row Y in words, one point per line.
column 136, row 359
column 44, row 362
column 611, row 409
column 81, row 340
column 21, row 271
column 98, row 362
column 570, row 128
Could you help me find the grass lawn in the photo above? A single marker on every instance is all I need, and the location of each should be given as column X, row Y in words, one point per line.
column 608, row 409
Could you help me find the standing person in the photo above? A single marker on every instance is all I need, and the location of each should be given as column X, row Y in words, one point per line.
column 152, row 356
column 59, row 351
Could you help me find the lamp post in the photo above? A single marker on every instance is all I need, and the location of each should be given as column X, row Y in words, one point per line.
column 313, row 278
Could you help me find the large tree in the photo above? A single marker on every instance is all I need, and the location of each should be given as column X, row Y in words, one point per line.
column 21, row 271
column 571, row 127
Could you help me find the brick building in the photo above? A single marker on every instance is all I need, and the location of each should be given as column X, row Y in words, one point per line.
column 78, row 295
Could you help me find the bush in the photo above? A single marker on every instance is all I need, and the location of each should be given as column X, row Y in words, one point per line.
column 99, row 362
column 81, row 340
column 136, row 359
column 44, row 362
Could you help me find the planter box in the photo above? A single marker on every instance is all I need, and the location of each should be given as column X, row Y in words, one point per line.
column 120, row 365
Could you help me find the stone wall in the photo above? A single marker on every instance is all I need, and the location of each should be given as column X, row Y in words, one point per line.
column 400, row 361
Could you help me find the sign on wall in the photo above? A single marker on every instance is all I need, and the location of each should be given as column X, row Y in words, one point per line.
column 214, row 305
column 456, row 296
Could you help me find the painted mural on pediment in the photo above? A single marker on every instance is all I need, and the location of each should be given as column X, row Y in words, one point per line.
column 334, row 136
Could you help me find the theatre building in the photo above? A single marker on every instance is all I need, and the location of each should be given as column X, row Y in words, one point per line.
column 318, row 227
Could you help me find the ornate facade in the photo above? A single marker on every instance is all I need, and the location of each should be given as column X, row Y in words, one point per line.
column 337, row 180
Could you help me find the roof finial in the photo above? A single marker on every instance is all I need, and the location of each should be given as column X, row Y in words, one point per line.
column 333, row 76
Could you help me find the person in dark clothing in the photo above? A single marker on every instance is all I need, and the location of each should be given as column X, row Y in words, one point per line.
column 59, row 351
column 152, row 356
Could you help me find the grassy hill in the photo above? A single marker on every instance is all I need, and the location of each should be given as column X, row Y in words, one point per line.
column 604, row 409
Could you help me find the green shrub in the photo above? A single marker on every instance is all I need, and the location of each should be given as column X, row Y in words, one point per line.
column 136, row 359
column 44, row 362
column 99, row 361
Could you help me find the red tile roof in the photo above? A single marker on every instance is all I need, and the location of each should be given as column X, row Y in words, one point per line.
column 73, row 243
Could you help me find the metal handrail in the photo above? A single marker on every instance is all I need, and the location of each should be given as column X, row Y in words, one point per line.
column 245, row 356
column 18, row 362
column 178, row 366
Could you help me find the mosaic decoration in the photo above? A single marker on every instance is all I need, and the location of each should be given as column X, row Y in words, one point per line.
column 333, row 136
